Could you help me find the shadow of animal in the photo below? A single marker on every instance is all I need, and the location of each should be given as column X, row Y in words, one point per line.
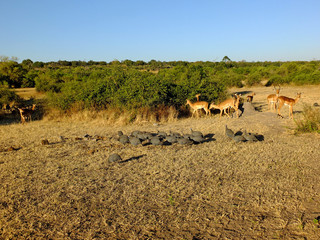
column 209, row 135
column 259, row 106
column 133, row 158
column 208, row 140
column 259, row 137
column 243, row 92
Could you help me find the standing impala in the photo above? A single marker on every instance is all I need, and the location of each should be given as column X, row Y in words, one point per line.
column 26, row 113
column 199, row 105
column 250, row 97
column 225, row 105
column 273, row 99
column 289, row 102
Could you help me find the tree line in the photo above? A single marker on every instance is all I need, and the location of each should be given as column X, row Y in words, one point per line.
column 134, row 84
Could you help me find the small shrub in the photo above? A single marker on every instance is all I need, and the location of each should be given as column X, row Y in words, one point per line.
column 310, row 121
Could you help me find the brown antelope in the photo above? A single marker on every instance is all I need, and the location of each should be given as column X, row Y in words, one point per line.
column 199, row 105
column 26, row 113
column 225, row 105
column 289, row 102
column 273, row 99
column 197, row 96
column 250, row 97
column 8, row 106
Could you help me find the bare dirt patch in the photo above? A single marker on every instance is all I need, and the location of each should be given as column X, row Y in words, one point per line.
column 218, row 189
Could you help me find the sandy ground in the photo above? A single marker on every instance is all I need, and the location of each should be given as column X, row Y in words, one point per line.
column 218, row 189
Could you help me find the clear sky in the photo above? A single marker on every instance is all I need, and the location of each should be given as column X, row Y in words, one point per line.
column 163, row 30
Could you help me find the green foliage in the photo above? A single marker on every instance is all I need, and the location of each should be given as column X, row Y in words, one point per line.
column 128, row 88
column 29, row 79
column 7, row 95
column 254, row 79
column 11, row 72
column 138, row 84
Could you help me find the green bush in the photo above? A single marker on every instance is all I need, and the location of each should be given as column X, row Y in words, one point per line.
column 7, row 96
column 310, row 121
column 133, row 89
column 254, row 79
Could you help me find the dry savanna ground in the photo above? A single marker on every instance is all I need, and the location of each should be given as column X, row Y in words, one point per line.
column 218, row 189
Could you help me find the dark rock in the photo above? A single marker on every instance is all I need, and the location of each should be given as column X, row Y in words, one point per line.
column 114, row 158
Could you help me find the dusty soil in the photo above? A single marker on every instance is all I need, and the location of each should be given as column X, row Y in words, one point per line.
column 218, row 189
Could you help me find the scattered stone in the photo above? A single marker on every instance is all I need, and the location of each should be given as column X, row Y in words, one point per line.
column 155, row 141
column 249, row 137
column 229, row 132
column 239, row 138
column 198, row 139
column 78, row 138
column 134, row 141
column 162, row 134
column 196, row 133
column 124, row 139
column 184, row 141
column 171, row 139
column 114, row 158
column 135, row 133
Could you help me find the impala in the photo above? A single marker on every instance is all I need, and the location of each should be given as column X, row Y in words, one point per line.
column 289, row 102
column 273, row 98
column 225, row 105
column 26, row 113
column 250, row 97
column 199, row 105
column 8, row 106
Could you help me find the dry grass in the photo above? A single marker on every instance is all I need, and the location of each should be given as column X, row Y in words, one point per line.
column 215, row 190
column 27, row 93
column 114, row 116
column 310, row 121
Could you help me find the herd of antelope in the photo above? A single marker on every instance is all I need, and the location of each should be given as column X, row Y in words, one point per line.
column 275, row 102
column 25, row 112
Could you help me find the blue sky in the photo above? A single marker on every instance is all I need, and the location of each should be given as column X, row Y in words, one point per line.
column 168, row 30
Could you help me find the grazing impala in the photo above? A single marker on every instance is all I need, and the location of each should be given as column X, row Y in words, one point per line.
column 199, row 105
column 26, row 113
column 289, row 102
column 273, row 99
column 225, row 105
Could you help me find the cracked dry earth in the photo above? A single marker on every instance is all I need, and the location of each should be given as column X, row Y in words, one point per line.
column 217, row 189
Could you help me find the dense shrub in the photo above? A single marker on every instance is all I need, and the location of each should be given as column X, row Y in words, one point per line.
column 131, row 89
column 7, row 96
